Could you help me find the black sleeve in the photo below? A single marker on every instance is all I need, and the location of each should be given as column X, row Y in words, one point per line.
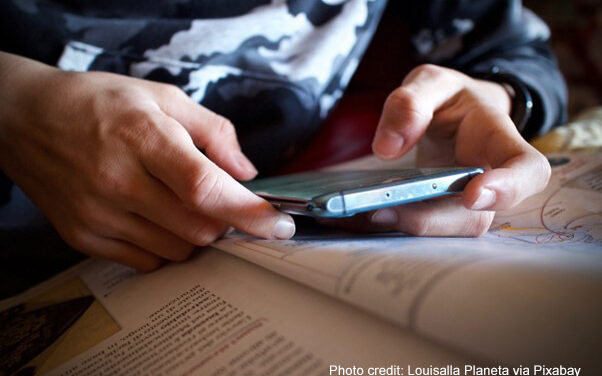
column 479, row 37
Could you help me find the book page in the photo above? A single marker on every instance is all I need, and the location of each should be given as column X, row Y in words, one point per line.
column 526, row 292
column 213, row 315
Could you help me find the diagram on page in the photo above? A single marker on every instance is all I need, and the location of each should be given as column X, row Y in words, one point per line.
column 567, row 213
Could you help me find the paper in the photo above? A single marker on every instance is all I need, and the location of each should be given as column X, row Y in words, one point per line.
column 508, row 296
column 568, row 214
column 219, row 315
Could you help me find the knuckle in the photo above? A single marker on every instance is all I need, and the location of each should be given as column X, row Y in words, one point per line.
column 404, row 97
column 93, row 221
column 117, row 93
column 113, row 183
column 82, row 206
column 91, row 215
column 406, row 101
column 171, row 91
column 205, row 190
column 480, row 224
column 476, row 113
column 149, row 264
column 429, row 70
column 513, row 195
column 119, row 101
column 421, row 226
column 139, row 129
column 472, row 101
column 77, row 237
column 223, row 127
column 182, row 254
column 194, row 234
column 204, row 236
column 135, row 129
column 545, row 170
column 418, row 224
column 257, row 218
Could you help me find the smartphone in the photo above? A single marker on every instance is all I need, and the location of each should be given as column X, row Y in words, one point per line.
column 345, row 193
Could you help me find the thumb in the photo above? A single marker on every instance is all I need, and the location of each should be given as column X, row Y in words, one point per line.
column 517, row 171
column 505, row 187
column 171, row 157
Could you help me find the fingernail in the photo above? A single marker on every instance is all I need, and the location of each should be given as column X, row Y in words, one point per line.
column 486, row 199
column 284, row 228
column 384, row 217
column 389, row 146
column 245, row 164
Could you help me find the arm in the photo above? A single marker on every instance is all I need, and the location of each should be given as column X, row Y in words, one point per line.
column 113, row 163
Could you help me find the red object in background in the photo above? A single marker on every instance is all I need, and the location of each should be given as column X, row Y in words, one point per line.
column 345, row 135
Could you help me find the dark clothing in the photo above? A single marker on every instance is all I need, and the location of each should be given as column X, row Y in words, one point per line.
column 276, row 69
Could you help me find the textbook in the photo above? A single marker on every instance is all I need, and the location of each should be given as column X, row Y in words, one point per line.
column 524, row 299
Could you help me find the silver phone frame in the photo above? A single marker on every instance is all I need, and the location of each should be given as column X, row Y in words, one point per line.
column 347, row 203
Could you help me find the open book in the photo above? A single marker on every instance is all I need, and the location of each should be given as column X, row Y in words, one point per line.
column 525, row 299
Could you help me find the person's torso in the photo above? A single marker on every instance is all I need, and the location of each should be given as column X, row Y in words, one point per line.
column 274, row 68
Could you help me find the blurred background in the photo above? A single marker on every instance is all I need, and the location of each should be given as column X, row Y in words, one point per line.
column 577, row 40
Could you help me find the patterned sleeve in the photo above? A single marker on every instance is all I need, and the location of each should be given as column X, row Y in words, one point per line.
column 483, row 36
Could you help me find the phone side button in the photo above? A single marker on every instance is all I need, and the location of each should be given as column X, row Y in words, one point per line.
column 336, row 204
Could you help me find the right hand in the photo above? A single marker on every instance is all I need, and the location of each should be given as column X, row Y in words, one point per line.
column 113, row 163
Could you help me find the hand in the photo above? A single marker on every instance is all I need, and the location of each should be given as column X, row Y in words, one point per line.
column 455, row 120
column 113, row 163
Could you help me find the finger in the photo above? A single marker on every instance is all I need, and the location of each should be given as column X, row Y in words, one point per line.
column 441, row 217
column 357, row 223
column 506, row 187
column 157, row 204
column 209, row 131
column 518, row 170
column 116, row 250
column 151, row 238
column 409, row 109
column 199, row 183
column 128, row 254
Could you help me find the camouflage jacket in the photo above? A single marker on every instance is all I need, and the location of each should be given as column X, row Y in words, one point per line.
column 276, row 68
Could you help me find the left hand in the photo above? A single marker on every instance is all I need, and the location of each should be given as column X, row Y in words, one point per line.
column 455, row 120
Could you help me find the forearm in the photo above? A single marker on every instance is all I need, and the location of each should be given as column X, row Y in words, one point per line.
column 23, row 83
column 18, row 73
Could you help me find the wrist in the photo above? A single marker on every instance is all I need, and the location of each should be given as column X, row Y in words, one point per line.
column 495, row 95
column 520, row 96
